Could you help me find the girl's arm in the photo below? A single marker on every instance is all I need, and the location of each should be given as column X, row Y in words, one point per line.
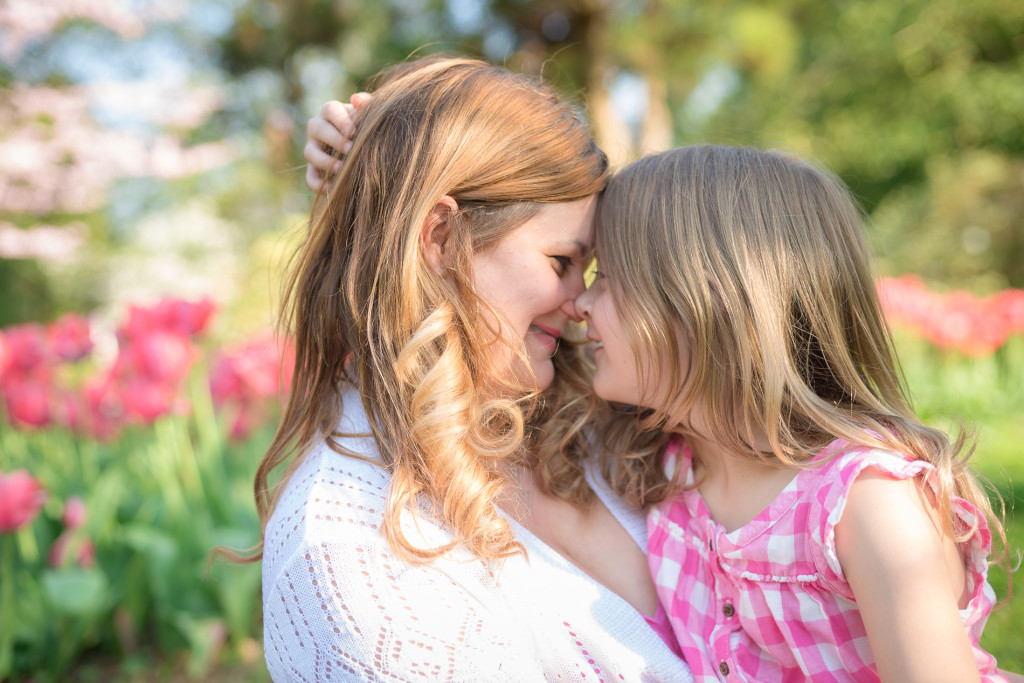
column 329, row 136
column 903, row 571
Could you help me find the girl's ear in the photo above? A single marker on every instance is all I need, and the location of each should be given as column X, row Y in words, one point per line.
column 435, row 233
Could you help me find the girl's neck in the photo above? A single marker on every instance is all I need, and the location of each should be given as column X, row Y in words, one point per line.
column 736, row 487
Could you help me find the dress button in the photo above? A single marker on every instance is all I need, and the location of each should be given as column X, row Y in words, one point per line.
column 728, row 610
column 723, row 668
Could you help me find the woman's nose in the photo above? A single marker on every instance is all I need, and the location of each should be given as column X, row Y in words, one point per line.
column 581, row 306
column 570, row 310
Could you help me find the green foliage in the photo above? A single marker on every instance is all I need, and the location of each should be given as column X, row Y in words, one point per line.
column 985, row 395
column 918, row 105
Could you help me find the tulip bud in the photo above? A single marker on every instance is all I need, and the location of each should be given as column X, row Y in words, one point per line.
column 74, row 512
column 21, row 498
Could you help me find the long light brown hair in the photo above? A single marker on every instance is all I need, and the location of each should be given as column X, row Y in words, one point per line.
column 757, row 263
column 367, row 311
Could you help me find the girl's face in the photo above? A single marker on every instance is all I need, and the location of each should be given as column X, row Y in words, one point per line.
column 531, row 279
column 615, row 372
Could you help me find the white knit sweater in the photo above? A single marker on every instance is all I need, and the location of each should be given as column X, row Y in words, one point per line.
column 339, row 605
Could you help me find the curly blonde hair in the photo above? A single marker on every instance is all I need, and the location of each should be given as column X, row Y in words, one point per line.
column 758, row 261
column 367, row 311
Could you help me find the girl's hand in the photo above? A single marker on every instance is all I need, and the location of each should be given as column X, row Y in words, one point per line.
column 329, row 136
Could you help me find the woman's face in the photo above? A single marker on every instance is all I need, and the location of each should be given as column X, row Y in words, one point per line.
column 531, row 279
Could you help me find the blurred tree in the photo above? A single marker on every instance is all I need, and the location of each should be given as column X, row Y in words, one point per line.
column 918, row 105
column 81, row 135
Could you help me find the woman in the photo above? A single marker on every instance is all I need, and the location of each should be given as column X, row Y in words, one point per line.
column 438, row 516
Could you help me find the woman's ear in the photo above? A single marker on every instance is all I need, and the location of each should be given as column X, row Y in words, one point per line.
column 435, row 233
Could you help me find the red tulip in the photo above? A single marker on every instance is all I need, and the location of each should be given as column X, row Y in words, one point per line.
column 21, row 498
column 69, row 337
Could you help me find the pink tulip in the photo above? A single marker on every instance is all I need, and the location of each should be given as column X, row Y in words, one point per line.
column 247, row 418
column 86, row 555
column 57, row 557
column 104, row 407
column 146, row 399
column 28, row 402
column 159, row 356
column 260, row 369
column 225, row 383
column 25, row 348
column 74, row 512
column 69, row 410
column 1011, row 303
column 180, row 317
column 187, row 318
column 69, row 337
column 67, row 544
column 21, row 498
column 6, row 355
column 141, row 321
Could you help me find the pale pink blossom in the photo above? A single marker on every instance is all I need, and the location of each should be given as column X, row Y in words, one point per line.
column 43, row 242
column 23, row 21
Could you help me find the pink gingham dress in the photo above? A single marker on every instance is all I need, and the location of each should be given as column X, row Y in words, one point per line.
column 768, row 601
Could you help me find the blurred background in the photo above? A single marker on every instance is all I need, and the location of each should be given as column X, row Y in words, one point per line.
column 151, row 187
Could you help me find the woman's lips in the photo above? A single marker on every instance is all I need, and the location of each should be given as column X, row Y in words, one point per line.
column 547, row 336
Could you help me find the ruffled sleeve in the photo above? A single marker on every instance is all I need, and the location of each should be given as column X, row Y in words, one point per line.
column 830, row 502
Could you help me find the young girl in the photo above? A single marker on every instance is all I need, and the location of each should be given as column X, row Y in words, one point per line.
column 821, row 531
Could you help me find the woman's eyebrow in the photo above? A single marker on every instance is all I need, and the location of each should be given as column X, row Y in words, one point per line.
column 577, row 247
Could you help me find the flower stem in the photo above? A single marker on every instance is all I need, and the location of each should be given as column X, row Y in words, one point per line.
column 6, row 606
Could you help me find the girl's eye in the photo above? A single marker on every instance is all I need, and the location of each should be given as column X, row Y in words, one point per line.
column 564, row 263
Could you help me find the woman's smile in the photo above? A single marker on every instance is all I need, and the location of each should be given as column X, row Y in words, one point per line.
column 547, row 336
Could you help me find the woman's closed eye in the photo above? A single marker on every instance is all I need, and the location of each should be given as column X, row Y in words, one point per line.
column 564, row 264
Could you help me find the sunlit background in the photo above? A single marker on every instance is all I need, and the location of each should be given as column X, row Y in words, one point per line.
column 151, row 187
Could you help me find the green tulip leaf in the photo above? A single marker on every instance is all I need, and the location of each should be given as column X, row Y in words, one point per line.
column 76, row 592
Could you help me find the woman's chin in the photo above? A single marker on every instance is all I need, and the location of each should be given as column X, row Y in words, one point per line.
column 544, row 374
